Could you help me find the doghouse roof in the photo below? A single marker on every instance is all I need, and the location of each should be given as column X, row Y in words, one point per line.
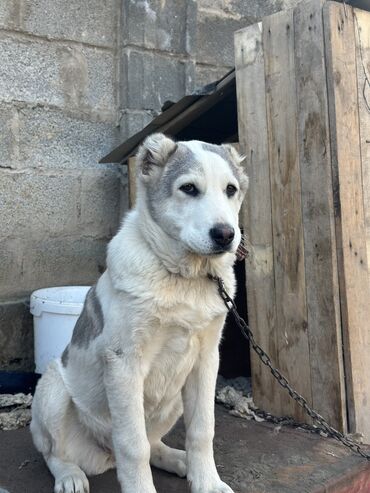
column 210, row 114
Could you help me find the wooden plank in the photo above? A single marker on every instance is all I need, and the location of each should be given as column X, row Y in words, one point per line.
column 256, row 212
column 362, row 32
column 349, row 209
column 290, row 292
column 131, row 170
column 321, row 272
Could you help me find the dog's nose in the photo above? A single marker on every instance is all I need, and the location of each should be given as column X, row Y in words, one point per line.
column 222, row 234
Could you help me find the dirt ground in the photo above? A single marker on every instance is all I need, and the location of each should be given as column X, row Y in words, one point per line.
column 251, row 457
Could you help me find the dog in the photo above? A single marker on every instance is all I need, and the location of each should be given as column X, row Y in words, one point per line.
column 144, row 350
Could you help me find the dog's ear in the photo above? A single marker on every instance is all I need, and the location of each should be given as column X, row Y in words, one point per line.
column 237, row 160
column 154, row 153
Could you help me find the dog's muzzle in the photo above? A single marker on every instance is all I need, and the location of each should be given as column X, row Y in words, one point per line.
column 222, row 235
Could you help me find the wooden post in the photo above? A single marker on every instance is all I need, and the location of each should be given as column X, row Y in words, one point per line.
column 349, row 210
column 131, row 171
column 308, row 275
column 362, row 34
column 253, row 139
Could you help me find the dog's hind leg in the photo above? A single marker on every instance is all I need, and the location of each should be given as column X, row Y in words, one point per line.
column 69, row 478
column 68, row 449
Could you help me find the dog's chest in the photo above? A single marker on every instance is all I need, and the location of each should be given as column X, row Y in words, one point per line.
column 191, row 307
column 176, row 352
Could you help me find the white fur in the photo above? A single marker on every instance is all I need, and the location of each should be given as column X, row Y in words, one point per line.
column 158, row 353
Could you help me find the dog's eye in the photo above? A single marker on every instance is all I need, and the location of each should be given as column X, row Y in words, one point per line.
column 189, row 189
column 231, row 190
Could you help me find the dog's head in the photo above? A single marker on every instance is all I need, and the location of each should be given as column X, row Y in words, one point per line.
column 193, row 191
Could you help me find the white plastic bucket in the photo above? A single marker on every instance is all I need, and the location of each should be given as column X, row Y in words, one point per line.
column 55, row 312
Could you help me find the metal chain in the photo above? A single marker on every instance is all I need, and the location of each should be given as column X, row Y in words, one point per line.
column 281, row 379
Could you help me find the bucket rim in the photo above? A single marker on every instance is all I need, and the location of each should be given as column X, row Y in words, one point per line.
column 39, row 302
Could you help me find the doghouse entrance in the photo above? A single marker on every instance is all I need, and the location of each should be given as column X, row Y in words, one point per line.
column 234, row 349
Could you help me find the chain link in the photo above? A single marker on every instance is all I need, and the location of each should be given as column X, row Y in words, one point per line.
column 283, row 382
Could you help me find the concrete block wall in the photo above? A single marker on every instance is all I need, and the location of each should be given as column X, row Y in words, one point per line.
column 157, row 58
column 169, row 49
column 58, row 117
column 217, row 20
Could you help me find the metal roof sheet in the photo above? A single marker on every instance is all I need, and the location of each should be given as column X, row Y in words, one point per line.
column 176, row 116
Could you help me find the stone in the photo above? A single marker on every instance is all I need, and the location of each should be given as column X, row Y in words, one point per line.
column 50, row 138
column 132, row 122
column 48, row 219
column 149, row 79
column 93, row 22
column 16, row 336
column 165, row 26
column 215, row 37
column 100, row 203
column 72, row 77
column 35, row 204
column 10, row 14
column 250, row 11
column 9, row 133
column 58, row 261
column 22, row 62
column 205, row 74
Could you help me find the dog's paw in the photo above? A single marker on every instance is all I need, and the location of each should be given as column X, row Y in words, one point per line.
column 74, row 483
column 169, row 459
column 179, row 464
column 217, row 487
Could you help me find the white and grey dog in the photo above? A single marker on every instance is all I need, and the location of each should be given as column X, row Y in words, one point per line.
column 145, row 348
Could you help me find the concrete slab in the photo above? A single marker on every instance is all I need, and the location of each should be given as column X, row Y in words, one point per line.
column 252, row 457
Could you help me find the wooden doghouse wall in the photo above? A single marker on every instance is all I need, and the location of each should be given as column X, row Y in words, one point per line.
column 304, row 128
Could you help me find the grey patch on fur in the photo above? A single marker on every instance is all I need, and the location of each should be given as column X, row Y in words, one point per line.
column 90, row 323
column 181, row 161
column 222, row 152
column 65, row 357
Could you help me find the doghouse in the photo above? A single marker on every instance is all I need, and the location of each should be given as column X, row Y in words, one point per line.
column 298, row 103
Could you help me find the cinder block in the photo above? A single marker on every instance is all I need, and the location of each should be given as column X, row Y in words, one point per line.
column 132, row 122
column 100, row 203
column 215, row 37
column 8, row 133
column 93, row 21
column 87, row 77
column 12, row 268
column 206, row 75
column 150, row 79
column 16, row 336
column 53, row 139
column 34, row 204
column 74, row 77
column 166, row 26
column 44, row 262
column 28, row 71
column 10, row 13
column 251, row 12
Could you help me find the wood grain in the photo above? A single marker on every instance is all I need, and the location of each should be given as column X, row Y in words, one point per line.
column 321, row 270
column 288, row 247
column 362, row 34
column 256, row 213
column 349, row 209
column 131, row 170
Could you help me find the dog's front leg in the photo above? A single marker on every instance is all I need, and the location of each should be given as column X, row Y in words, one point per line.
column 124, row 383
column 198, row 397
